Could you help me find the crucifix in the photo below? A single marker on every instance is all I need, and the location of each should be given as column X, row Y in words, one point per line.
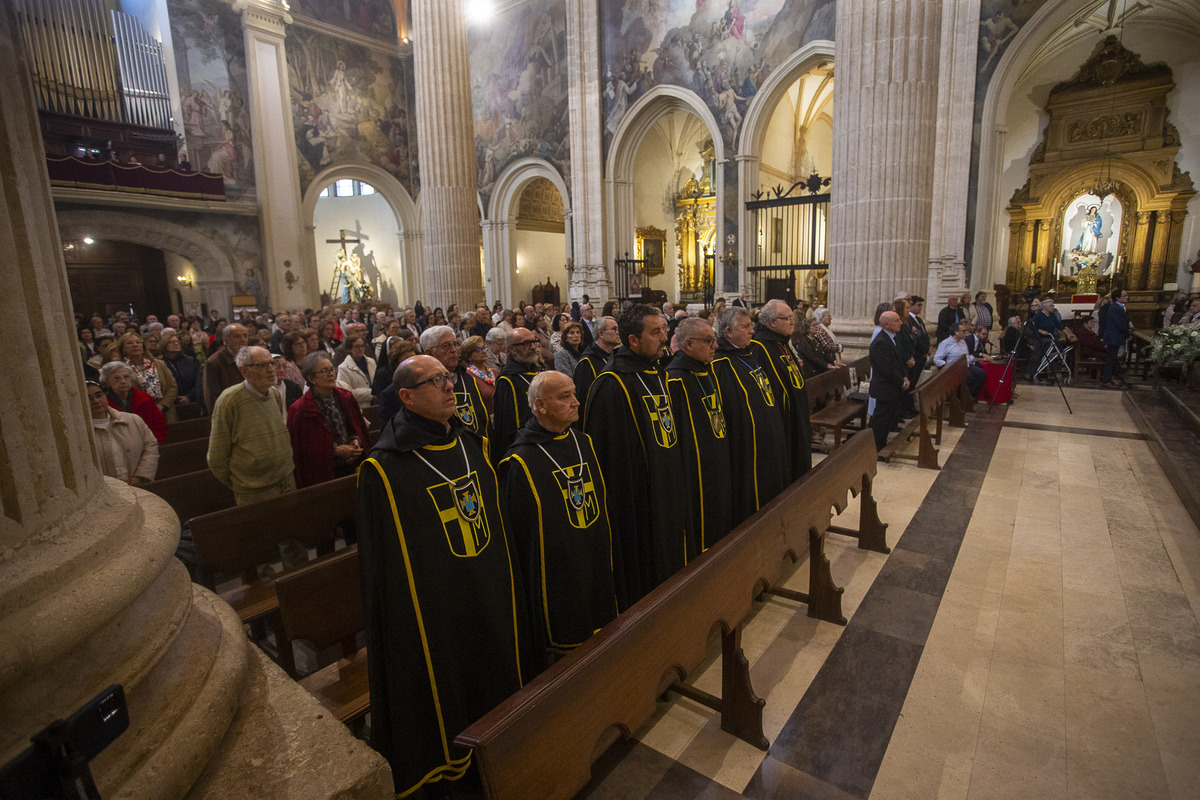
column 340, row 262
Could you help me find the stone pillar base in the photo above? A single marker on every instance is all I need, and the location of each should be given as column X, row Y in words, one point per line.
column 854, row 335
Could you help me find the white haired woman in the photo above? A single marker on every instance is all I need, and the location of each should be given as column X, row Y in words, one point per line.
column 117, row 380
column 125, row 447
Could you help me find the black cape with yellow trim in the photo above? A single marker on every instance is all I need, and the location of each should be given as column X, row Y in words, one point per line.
column 558, row 519
column 758, row 459
column 636, row 438
column 774, row 352
column 510, row 404
column 469, row 406
column 696, row 398
column 444, row 612
column 591, row 363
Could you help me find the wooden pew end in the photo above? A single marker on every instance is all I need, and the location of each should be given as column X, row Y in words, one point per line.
column 740, row 708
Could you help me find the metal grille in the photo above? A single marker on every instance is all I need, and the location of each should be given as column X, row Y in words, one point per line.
column 792, row 231
column 628, row 278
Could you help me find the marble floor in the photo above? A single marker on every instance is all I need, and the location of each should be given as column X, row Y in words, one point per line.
column 1033, row 634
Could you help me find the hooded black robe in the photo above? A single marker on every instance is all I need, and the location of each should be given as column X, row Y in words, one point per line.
column 469, row 406
column 554, row 504
column 444, row 612
column 511, row 404
column 758, row 459
column 634, row 432
column 591, row 363
column 696, row 398
column 774, row 353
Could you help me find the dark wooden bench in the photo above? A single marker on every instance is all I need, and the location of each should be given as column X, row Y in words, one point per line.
column 541, row 741
column 945, row 389
column 828, row 390
column 186, row 430
column 371, row 415
column 180, row 458
column 186, row 411
column 193, row 494
column 322, row 604
column 239, row 540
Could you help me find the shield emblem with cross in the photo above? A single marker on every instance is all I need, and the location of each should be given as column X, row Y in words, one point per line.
column 460, row 510
column 764, row 385
column 661, row 419
column 465, row 409
column 579, row 494
column 793, row 371
column 716, row 414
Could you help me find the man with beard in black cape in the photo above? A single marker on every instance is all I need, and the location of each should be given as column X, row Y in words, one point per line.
column 439, row 341
column 696, row 399
column 552, row 492
column 510, row 403
column 758, row 452
column 446, row 635
column 633, row 429
column 773, row 347
column 595, row 359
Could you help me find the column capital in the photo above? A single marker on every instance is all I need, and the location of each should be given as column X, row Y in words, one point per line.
column 267, row 16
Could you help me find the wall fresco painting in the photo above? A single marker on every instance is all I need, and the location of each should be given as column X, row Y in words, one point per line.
column 519, row 90
column 374, row 18
column 350, row 104
column 211, row 62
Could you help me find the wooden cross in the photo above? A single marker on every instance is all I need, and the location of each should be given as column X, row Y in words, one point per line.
column 342, row 240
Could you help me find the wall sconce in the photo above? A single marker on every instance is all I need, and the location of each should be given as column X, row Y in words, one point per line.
column 88, row 240
column 186, row 280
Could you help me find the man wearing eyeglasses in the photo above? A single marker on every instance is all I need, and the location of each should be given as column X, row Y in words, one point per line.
column 439, row 341
column 595, row 359
column 445, row 620
column 249, row 449
column 696, row 399
column 511, row 401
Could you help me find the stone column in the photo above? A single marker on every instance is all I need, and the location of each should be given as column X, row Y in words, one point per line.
column 90, row 591
column 590, row 275
column 446, row 152
column 885, row 113
column 498, row 257
column 276, row 172
column 952, row 150
column 414, row 276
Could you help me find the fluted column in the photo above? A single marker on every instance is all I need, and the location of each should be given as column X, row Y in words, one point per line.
column 885, row 113
column 590, row 275
column 1137, row 262
column 1158, row 251
column 446, row 154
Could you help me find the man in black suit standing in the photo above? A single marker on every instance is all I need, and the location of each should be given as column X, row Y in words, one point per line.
column 921, row 348
column 888, row 381
column 948, row 317
column 1116, row 334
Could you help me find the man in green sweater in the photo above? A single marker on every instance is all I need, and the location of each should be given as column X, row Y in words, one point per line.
column 249, row 449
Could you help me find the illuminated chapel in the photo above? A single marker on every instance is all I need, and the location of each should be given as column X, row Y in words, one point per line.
column 220, row 156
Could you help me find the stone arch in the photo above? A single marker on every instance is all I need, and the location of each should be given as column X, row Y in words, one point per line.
column 408, row 221
column 215, row 266
column 499, row 241
column 628, row 139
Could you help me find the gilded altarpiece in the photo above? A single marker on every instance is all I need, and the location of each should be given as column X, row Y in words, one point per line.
column 1107, row 157
column 695, row 231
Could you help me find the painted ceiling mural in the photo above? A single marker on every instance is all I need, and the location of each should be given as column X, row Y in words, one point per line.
column 211, row 62
column 374, row 18
column 519, row 90
column 350, row 105
column 722, row 50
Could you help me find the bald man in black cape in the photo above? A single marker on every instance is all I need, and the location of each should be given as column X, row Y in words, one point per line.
column 772, row 347
column 510, row 405
column 696, row 398
column 758, row 452
column 634, row 431
column 553, row 495
column 447, row 639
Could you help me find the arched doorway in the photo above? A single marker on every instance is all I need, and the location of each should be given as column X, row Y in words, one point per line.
column 380, row 222
column 664, row 189
column 527, row 233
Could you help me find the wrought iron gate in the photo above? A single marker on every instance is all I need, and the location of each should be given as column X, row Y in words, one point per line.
column 792, row 231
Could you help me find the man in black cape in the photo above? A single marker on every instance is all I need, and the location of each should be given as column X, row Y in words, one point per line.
column 552, row 492
column 509, row 403
column 758, row 460
column 696, row 399
column 445, row 628
column 633, row 429
column 595, row 359
column 440, row 342
column 773, row 347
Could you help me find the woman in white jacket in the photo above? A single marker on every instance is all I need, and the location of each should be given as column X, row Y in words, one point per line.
column 125, row 445
column 357, row 372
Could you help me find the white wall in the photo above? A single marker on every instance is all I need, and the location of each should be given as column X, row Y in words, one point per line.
column 176, row 265
column 372, row 216
column 539, row 254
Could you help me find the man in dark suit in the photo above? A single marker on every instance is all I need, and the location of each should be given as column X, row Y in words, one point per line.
column 888, row 380
column 1116, row 334
column 948, row 317
column 921, row 348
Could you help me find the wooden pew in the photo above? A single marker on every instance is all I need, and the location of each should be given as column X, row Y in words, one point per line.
column 371, row 415
column 542, row 740
column 186, row 430
column 186, row 411
column 830, row 389
column 947, row 384
column 322, row 603
column 193, row 494
column 180, row 458
column 238, row 540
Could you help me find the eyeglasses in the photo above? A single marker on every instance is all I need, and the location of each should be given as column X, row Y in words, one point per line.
column 439, row 381
column 481, row 349
column 447, row 346
column 703, row 339
column 325, row 371
column 261, row 364
column 530, row 343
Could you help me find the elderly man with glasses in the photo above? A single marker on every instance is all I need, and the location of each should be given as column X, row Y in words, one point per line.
column 512, row 389
column 440, row 342
column 249, row 449
column 445, row 621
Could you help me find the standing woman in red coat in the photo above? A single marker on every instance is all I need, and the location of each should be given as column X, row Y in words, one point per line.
column 117, row 379
column 329, row 433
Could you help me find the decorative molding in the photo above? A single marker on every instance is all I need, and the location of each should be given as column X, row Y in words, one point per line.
column 267, row 16
column 541, row 207
column 1105, row 127
column 1110, row 63
column 396, row 50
